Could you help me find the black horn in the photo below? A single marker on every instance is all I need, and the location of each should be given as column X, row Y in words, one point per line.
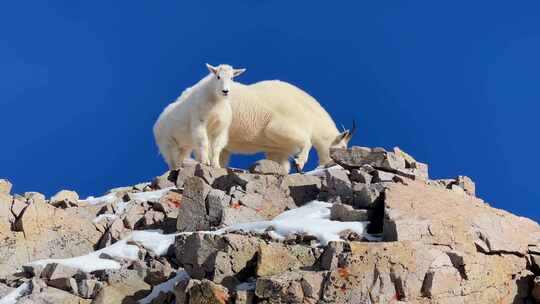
column 353, row 129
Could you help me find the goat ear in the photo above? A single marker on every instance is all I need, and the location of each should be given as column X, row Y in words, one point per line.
column 237, row 72
column 212, row 69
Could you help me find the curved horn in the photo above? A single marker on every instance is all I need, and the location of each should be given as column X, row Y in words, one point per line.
column 353, row 129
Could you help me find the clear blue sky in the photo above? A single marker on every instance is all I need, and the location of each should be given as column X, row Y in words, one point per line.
column 455, row 83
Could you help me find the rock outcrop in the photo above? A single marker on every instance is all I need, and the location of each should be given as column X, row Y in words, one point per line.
column 427, row 241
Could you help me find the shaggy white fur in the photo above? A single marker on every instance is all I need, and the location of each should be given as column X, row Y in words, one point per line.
column 281, row 120
column 198, row 120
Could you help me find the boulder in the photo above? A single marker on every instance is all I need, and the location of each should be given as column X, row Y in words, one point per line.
column 443, row 217
column 5, row 186
column 127, row 289
column 266, row 166
column 346, row 213
column 289, row 257
column 7, row 218
column 536, row 289
column 192, row 214
column 208, row 292
column 65, row 199
column 52, row 295
column 366, row 195
column 209, row 174
column 302, row 188
column 227, row 259
column 47, row 232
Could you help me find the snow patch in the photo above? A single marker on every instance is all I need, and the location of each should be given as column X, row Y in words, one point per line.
column 164, row 287
column 312, row 219
column 151, row 240
column 112, row 198
column 14, row 295
column 101, row 217
column 319, row 171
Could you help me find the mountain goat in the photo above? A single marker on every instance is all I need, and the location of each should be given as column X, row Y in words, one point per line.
column 281, row 120
column 198, row 120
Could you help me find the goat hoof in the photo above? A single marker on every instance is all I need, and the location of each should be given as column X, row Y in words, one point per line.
column 297, row 166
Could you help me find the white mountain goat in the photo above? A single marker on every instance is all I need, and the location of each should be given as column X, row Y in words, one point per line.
column 198, row 120
column 281, row 120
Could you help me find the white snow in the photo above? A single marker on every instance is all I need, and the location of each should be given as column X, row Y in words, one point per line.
column 154, row 240
column 14, row 295
column 320, row 170
column 103, row 216
column 142, row 196
column 151, row 240
column 312, row 219
column 121, row 205
column 164, row 287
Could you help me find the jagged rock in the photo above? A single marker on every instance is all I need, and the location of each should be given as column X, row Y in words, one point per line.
column 65, row 199
column 227, row 259
column 380, row 176
column 461, row 184
column 346, row 213
column 217, row 200
column 208, row 292
column 397, row 162
column 467, row 184
column 59, row 276
column 5, row 186
column 178, row 177
column 360, row 176
column 159, row 271
column 192, row 214
column 245, row 295
column 164, row 181
column 181, row 290
column 35, row 197
column 443, row 217
column 127, row 289
column 331, row 255
column 336, row 184
column 536, row 289
column 47, row 232
column 289, row 258
column 52, row 295
column 266, row 166
column 88, row 289
column 355, row 157
column 281, row 288
column 134, row 216
column 18, row 206
column 366, row 195
column 302, row 188
column 7, row 218
column 209, row 174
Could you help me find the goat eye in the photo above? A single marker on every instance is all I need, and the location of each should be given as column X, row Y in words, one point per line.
column 218, row 77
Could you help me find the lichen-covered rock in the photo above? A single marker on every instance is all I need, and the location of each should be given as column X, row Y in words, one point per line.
column 276, row 258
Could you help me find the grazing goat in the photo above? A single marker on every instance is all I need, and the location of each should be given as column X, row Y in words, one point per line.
column 281, row 120
column 198, row 120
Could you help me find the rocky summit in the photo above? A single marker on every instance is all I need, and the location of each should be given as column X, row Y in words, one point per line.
column 374, row 228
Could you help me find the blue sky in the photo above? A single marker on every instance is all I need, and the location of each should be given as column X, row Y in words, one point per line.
column 456, row 83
